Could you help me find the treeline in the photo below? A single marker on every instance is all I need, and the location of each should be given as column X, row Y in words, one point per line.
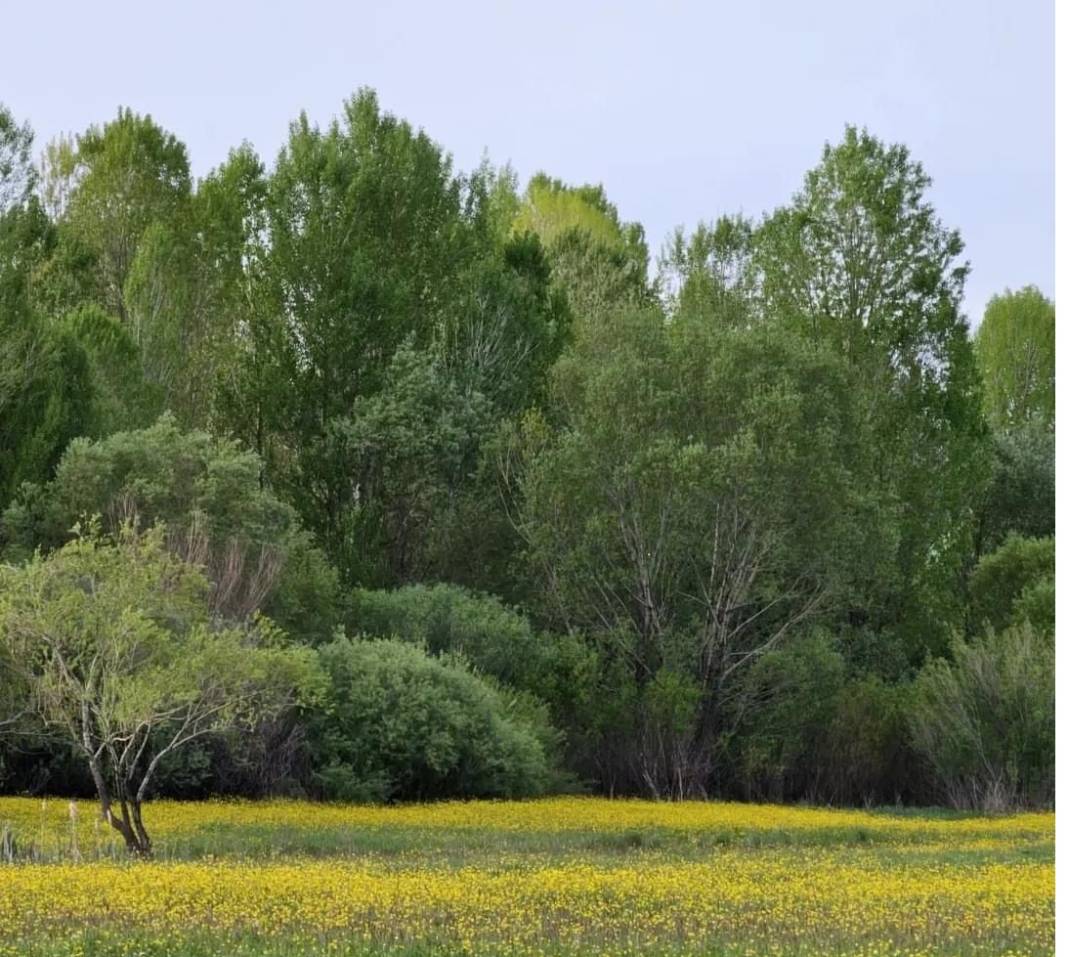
column 357, row 476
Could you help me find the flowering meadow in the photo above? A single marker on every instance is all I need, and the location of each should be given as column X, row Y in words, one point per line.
column 555, row 876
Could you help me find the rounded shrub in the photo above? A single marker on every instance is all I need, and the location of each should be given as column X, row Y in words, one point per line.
column 398, row 724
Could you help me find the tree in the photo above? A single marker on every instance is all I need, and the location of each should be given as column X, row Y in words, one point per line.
column 860, row 262
column 122, row 662
column 1021, row 496
column 45, row 402
column 1014, row 347
column 366, row 250
column 710, row 272
column 46, row 389
column 119, row 180
column 509, row 327
column 17, row 175
column 600, row 261
column 406, row 450
column 695, row 507
column 789, row 703
column 1009, row 575
column 196, row 286
column 218, row 515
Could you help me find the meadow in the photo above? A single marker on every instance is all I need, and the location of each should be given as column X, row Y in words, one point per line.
column 562, row 876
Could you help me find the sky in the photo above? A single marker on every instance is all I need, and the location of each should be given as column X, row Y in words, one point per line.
column 682, row 110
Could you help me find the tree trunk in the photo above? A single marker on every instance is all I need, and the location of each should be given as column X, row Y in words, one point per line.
column 144, row 842
column 126, row 823
column 121, row 824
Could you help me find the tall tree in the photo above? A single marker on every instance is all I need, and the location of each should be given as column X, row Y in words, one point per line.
column 196, row 285
column 695, row 507
column 370, row 245
column 119, row 179
column 363, row 229
column 1015, row 346
column 599, row 260
column 859, row 261
column 45, row 382
column 710, row 271
column 17, row 175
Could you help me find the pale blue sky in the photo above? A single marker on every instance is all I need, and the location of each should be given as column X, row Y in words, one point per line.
column 683, row 110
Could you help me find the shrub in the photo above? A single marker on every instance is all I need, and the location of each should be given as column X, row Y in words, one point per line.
column 789, row 702
column 494, row 639
column 984, row 720
column 218, row 515
column 1003, row 576
column 397, row 724
column 867, row 757
column 812, row 732
column 446, row 618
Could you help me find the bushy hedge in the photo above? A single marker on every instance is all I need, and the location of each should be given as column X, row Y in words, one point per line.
column 398, row 724
column 985, row 720
column 496, row 640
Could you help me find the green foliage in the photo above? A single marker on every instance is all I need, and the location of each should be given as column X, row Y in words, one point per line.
column 119, row 180
column 17, row 174
column 116, row 649
column 599, row 261
column 398, row 724
column 710, row 272
column 197, row 289
column 445, row 619
column 860, row 262
column 406, row 450
column 46, row 389
column 511, row 326
column 209, row 493
column 121, row 397
column 697, row 504
column 1021, row 496
column 1015, row 350
column 1003, row 584
column 984, row 720
column 542, row 669
column 790, row 702
column 383, row 294
column 552, row 210
column 728, row 513
column 867, row 757
column 808, row 730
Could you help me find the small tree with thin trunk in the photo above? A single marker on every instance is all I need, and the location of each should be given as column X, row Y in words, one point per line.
column 114, row 646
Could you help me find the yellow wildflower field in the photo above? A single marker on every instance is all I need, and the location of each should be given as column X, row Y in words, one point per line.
column 557, row 876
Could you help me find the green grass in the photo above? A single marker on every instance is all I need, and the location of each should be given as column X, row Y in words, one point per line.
column 1011, row 918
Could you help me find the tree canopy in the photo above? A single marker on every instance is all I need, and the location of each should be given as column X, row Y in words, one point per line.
column 519, row 508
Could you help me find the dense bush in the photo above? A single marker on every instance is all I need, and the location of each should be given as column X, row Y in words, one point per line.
column 445, row 618
column 789, row 704
column 1004, row 577
column 398, row 724
column 868, row 759
column 811, row 732
column 218, row 514
column 494, row 639
column 1022, row 490
column 984, row 720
